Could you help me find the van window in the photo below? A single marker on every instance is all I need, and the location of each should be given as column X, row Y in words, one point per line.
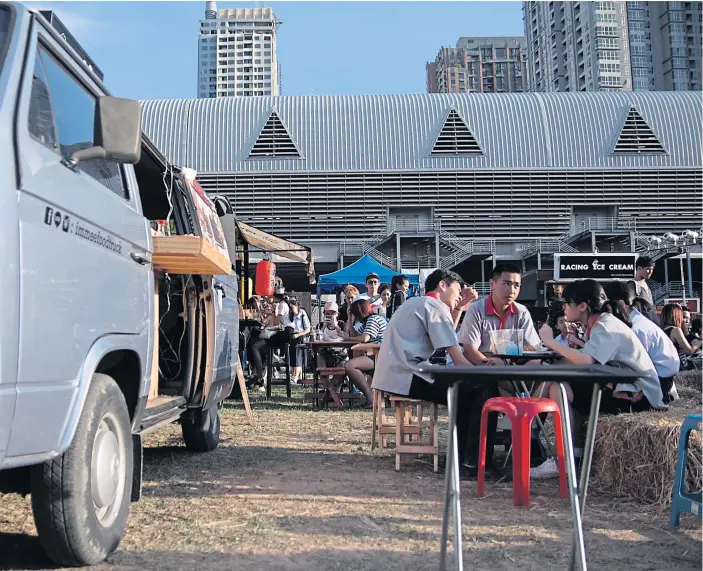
column 41, row 119
column 55, row 91
column 5, row 19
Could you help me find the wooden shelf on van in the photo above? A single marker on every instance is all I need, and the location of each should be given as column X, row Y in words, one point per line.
column 189, row 255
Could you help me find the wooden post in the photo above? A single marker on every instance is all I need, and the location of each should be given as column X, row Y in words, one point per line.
column 245, row 395
column 245, row 272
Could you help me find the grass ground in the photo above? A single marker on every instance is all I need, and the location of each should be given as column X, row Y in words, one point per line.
column 301, row 490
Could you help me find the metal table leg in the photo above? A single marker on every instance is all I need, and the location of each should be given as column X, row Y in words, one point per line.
column 549, row 450
column 578, row 544
column 546, row 445
column 587, row 459
column 315, row 378
column 452, row 487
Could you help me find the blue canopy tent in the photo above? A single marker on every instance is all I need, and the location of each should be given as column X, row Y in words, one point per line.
column 356, row 273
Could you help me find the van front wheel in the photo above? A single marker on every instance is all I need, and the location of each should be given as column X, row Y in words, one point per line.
column 81, row 499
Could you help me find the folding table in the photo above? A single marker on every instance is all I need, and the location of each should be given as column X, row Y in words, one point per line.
column 594, row 375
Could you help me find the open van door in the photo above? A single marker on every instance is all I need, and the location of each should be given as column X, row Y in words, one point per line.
column 226, row 307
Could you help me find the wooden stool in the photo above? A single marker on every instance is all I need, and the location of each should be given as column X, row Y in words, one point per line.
column 379, row 421
column 322, row 380
column 382, row 425
column 403, row 426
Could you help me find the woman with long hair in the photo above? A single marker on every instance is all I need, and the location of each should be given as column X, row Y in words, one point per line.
column 370, row 327
column 296, row 324
column 385, row 294
column 350, row 292
column 280, row 306
column 671, row 321
column 399, row 293
column 611, row 341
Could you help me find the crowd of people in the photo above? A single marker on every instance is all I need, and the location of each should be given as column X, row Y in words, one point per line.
column 588, row 323
column 362, row 318
column 283, row 323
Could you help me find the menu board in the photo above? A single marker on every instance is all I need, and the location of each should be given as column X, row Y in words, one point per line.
column 208, row 220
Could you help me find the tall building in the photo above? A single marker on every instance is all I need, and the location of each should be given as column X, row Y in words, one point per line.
column 588, row 46
column 479, row 65
column 237, row 52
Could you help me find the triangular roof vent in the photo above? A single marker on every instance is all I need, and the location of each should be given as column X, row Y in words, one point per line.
column 274, row 141
column 636, row 136
column 456, row 138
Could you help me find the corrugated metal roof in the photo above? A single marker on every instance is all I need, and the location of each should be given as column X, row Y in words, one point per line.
column 397, row 132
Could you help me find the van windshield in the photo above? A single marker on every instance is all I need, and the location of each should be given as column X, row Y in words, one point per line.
column 5, row 19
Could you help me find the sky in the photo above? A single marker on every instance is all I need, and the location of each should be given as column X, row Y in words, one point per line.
column 148, row 50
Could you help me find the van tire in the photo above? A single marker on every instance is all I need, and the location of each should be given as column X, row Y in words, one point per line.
column 64, row 493
column 201, row 429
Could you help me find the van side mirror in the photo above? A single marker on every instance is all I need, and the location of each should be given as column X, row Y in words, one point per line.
column 117, row 132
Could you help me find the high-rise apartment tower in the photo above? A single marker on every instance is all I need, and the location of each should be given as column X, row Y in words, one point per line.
column 237, row 52
column 587, row 46
column 479, row 65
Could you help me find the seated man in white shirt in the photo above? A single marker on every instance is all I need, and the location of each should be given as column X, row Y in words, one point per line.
column 421, row 326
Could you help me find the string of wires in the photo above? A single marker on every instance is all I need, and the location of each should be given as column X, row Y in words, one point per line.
column 165, row 354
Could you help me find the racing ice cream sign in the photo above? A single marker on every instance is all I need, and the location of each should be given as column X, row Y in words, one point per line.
column 601, row 267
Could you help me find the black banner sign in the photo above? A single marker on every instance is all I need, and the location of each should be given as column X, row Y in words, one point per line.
column 602, row 267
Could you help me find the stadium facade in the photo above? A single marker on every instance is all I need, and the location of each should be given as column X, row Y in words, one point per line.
column 446, row 179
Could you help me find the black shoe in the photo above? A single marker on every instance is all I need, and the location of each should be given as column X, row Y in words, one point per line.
column 468, row 471
column 536, row 452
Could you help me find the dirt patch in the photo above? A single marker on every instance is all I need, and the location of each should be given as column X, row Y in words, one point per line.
column 301, row 490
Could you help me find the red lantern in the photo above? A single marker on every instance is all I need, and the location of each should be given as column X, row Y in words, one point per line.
column 265, row 278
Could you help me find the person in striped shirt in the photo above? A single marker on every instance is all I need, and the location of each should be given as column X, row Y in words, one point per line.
column 371, row 327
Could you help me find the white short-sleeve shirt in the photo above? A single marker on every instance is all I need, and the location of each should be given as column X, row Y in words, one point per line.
column 658, row 345
column 282, row 309
column 612, row 342
column 419, row 327
column 299, row 323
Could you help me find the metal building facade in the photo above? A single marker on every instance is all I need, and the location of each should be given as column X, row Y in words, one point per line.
column 543, row 155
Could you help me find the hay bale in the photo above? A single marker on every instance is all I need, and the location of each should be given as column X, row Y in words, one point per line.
column 635, row 455
column 688, row 398
column 689, row 380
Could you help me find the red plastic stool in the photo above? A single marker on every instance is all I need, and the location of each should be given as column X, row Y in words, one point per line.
column 521, row 412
